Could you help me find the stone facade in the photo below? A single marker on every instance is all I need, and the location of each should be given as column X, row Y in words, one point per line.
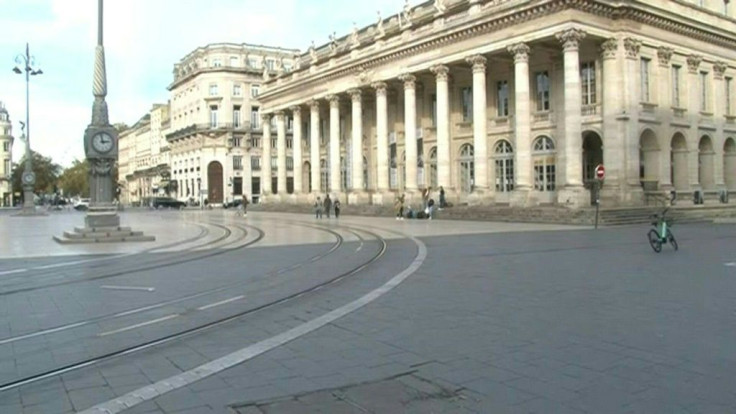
column 215, row 142
column 6, row 157
column 515, row 103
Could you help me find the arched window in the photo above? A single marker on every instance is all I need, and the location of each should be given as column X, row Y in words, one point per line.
column 467, row 168
column 365, row 173
column 504, row 157
column 543, row 154
column 433, row 181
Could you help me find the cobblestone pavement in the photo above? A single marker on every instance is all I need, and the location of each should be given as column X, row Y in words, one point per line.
column 498, row 318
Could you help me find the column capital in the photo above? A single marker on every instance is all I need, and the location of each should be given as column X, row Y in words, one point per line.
column 570, row 38
column 441, row 72
column 380, row 88
column 693, row 63
column 719, row 68
column 520, row 52
column 296, row 110
column 266, row 117
column 664, row 54
column 355, row 95
column 632, row 47
column 279, row 115
column 334, row 100
column 409, row 80
column 478, row 62
column 313, row 104
column 609, row 48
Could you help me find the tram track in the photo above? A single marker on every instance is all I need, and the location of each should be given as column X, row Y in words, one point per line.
column 380, row 251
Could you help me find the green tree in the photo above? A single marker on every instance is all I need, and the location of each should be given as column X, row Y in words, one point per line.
column 47, row 173
column 75, row 179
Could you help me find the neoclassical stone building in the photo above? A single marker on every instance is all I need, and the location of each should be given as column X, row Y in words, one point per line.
column 6, row 156
column 513, row 102
column 215, row 130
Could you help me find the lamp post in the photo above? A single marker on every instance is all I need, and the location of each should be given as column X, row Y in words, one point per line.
column 199, row 189
column 28, row 65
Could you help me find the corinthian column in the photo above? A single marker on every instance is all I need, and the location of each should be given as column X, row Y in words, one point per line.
column 280, row 152
column 266, row 155
column 480, row 129
column 612, row 105
column 719, row 109
column 357, row 140
column 297, row 149
column 522, row 112
column 410, row 131
column 314, row 140
column 441, row 73
column 334, row 143
column 381, row 137
column 573, row 105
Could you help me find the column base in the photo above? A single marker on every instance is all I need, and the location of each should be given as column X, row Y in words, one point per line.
column 520, row 197
column 359, row 198
column 574, row 197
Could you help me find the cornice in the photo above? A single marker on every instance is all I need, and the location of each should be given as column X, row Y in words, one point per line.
column 503, row 15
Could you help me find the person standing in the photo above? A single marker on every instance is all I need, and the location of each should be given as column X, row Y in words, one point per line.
column 328, row 205
column 337, row 208
column 318, row 208
column 425, row 198
column 244, row 205
column 443, row 201
column 399, row 207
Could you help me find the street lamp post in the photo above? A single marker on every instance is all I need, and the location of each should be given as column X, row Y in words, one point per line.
column 28, row 65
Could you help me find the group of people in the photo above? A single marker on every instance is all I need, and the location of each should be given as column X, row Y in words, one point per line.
column 326, row 207
column 428, row 205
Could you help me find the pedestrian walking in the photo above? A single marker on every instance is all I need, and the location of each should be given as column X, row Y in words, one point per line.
column 244, row 205
column 425, row 198
column 430, row 208
column 399, row 207
column 337, row 208
column 443, row 201
column 328, row 205
column 318, row 208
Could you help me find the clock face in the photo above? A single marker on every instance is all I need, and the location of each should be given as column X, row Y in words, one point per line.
column 29, row 178
column 102, row 142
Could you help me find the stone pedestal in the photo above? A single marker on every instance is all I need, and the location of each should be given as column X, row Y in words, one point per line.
column 383, row 198
column 358, row 197
column 102, row 225
column 574, row 197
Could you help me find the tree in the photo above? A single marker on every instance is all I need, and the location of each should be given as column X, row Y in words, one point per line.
column 47, row 173
column 75, row 179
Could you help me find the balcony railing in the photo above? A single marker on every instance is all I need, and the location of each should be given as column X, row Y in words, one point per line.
column 588, row 110
column 543, row 116
column 730, row 119
column 220, row 126
column 678, row 112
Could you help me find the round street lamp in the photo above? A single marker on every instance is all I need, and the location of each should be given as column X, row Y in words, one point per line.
column 28, row 65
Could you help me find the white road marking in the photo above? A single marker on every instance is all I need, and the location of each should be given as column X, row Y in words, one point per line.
column 730, row 264
column 212, row 305
column 147, row 289
column 139, row 325
column 47, row 331
column 359, row 247
column 10, row 272
column 152, row 391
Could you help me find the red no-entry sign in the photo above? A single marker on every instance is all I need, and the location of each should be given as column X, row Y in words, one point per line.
column 600, row 172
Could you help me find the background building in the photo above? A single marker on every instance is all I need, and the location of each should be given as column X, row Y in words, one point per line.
column 515, row 102
column 6, row 155
column 215, row 141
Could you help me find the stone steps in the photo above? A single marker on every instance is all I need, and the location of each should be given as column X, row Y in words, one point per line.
column 82, row 235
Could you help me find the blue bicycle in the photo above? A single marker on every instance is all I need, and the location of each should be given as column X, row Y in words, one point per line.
column 661, row 233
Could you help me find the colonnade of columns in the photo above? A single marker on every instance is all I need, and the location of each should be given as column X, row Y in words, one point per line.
column 571, row 174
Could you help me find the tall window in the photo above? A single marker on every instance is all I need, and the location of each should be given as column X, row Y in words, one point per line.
column 237, row 90
column 255, row 163
column 543, row 153
column 645, row 79
column 253, row 63
column 324, row 175
column 7, row 167
column 6, row 144
column 467, row 168
column 255, row 117
column 233, row 61
column 216, row 63
column 703, row 91
column 587, row 77
column 434, row 109
column 237, row 162
column 270, row 64
column 213, row 89
column 729, row 85
column 236, row 116
column 502, row 98
column 254, row 90
column 542, row 79
column 676, row 86
column 290, row 163
column 467, row 98
column 213, row 116
column 504, row 155
column 433, row 182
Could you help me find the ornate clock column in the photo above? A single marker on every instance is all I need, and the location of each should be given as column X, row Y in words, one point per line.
column 100, row 146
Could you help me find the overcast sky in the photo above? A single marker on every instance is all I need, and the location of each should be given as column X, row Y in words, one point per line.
column 143, row 39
